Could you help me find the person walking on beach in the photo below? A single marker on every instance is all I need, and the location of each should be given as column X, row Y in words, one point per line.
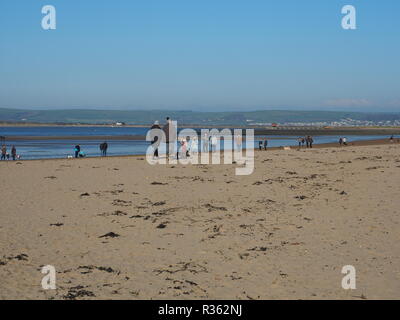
column 185, row 151
column 206, row 141
column 300, row 141
column 344, row 141
column 214, row 142
column 170, row 138
column 310, row 141
column 13, row 152
column 154, row 141
column 238, row 140
column 340, row 141
column 260, row 144
column 77, row 150
column 194, row 145
column 105, row 147
column 3, row 152
column 265, row 144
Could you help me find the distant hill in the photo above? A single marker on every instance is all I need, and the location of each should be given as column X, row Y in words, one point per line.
column 137, row 117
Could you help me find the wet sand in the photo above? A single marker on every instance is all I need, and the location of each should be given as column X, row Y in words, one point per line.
column 118, row 228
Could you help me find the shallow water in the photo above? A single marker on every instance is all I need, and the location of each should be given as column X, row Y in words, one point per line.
column 61, row 148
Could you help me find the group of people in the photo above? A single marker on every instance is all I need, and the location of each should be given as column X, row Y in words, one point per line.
column 78, row 152
column 6, row 156
column 343, row 141
column 308, row 141
column 186, row 147
column 262, row 144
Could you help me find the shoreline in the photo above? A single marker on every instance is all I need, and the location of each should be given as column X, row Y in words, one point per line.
column 359, row 143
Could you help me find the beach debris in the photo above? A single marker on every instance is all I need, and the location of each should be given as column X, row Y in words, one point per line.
column 159, row 203
column 258, row 249
column 301, row 197
column 136, row 216
column 20, row 257
column 90, row 268
column 115, row 191
column 58, row 224
column 156, row 183
column 182, row 266
column 78, row 292
column 85, row 194
column 161, row 226
column 121, row 203
column 115, row 213
column 343, row 193
column 243, row 255
column 210, row 208
column 50, row 177
column 266, row 201
column 110, row 235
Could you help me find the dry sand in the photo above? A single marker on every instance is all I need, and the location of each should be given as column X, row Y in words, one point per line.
column 200, row 232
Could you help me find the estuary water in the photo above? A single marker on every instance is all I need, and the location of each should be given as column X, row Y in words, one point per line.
column 64, row 147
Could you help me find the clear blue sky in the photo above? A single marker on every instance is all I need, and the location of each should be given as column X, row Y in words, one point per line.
column 201, row 55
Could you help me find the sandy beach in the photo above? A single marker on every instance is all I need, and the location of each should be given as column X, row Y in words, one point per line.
column 119, row 228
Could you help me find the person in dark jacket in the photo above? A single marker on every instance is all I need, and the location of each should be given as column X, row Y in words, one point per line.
column 265, row 144
column 170, row 136
column 155, row 142
column 77, row 150
column 310, row 141
column 103, row 148
column 13, row 152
